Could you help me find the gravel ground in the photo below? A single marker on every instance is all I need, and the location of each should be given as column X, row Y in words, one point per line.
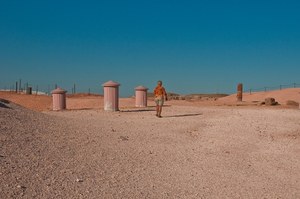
column 192, row 152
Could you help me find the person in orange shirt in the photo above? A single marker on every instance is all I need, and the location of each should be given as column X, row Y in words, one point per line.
column 160, row 95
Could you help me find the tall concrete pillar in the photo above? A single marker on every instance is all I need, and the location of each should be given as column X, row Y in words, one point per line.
column 239, row 92
column 141, row 96
column 111, row 96
column 59, row 99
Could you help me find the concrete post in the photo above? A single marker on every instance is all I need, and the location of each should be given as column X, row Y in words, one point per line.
column 111, row 96
column 59, row 99
column 239, row 92
column 141, row 96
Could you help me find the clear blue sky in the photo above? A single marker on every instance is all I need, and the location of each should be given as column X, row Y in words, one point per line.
column 201, row 46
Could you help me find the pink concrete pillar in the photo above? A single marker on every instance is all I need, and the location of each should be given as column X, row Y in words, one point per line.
column 111, row 96
column 239, row 92
column 141, row 96
column 59, row 99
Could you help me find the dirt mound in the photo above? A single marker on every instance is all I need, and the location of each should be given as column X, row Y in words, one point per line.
column 31, row 156
column 292, row 103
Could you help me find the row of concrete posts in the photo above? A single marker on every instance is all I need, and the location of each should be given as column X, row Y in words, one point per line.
column 111, row 97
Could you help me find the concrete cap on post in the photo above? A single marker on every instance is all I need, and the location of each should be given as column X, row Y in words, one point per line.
column 111, row 84
column 59, row 99
column 111, row 96
column 58, row 91
column 141, row 96
column 141, row 88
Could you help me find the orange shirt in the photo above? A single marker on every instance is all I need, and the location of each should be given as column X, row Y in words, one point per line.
column 160, row 91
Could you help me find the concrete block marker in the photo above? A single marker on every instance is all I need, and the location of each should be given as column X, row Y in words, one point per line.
column 59, row 99
column 239, row 95
column 111, row 96
column 141, row 96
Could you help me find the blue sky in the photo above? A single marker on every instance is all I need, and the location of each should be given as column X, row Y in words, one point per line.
column 203, row 46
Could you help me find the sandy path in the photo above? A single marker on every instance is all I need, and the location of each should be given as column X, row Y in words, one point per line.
column 192, row 152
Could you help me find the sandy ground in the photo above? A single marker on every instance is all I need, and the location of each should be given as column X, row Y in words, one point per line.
column 33, row 102
column 281, row 96
column 86, row 102
column 199, row 149
column 192, row 152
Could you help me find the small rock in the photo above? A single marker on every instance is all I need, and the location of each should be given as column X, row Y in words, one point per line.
column 21, row 187
column 79, row 180
column 124, row 138
column 270, row 101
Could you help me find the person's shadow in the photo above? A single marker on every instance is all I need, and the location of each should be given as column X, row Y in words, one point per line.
column 136, row 110
column 184, row 115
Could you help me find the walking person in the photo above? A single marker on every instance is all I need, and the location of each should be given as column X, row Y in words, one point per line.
column 160, row 95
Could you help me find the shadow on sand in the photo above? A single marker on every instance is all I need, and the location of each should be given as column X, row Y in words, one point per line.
column 163, row 106
column 184, row 115
column 137, row 110
column 82, row 109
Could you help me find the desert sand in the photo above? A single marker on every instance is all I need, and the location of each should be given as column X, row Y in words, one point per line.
column 197, row 150
column 281, row 96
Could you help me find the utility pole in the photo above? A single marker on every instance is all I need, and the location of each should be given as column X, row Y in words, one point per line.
column 48, row 90
column 74, row 88
column 20, row 83
column 37, row 89
column 16, row 86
